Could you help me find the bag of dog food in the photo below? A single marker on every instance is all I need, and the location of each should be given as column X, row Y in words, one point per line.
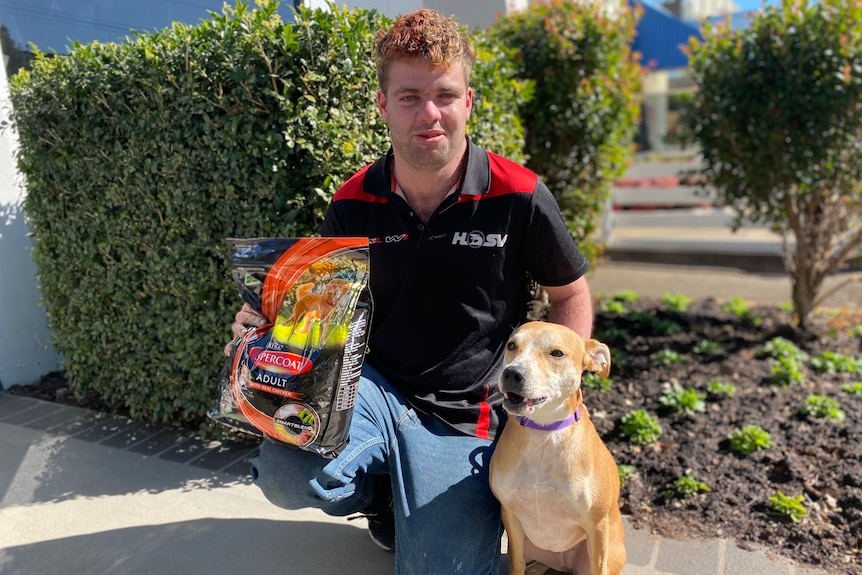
column 294, row 380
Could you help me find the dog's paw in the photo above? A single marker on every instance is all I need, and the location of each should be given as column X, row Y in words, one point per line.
column 536, row 568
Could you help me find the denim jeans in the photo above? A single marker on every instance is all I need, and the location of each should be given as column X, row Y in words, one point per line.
column 447, row 521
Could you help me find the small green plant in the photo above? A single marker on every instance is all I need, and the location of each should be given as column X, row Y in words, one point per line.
column 625, row 472
column 857, row 330
column 686, row 486
column 664, row 327
column 592, row 380
column 613, row 306
column 854, row 388
column 683, row 400
column 738, row 307
column 666, row 356
column 779, row 347
column 786, row 372
column 708, row 348
column 611, row 334
column 648, row 323
column 748, row 439
column 719, row 389
column 627, row 296
column 616, row 302
column 822, row 407
column 675, row 301
column 789, row 507
column 640, row 428
column 833, row 362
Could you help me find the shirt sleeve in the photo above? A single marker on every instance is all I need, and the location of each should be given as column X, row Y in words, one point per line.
column 552, row 257
column 332, row 225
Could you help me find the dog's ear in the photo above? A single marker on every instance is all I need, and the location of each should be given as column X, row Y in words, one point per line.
column 597, row 357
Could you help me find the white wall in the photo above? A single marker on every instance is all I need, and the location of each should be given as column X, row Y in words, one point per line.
column 471, row 13
column 26, row 353
column 391, row 8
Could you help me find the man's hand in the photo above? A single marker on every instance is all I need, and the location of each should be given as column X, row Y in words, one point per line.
column 245, row 318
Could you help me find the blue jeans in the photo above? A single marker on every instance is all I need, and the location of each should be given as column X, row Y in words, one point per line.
column 447, row 520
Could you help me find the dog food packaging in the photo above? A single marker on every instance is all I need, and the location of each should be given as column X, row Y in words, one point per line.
column 294, row 380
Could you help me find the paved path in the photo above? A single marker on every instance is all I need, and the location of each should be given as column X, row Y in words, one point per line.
column 87, row 493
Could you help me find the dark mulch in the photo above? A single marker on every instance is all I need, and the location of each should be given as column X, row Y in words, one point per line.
column 813, row 457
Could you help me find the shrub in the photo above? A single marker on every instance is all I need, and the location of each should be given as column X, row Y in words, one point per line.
column 580, row 126
column 764, row 151
column 640, row 428
column 748, row 439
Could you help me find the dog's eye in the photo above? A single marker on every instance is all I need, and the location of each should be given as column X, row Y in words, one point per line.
column 510, row 345
column 557, row 353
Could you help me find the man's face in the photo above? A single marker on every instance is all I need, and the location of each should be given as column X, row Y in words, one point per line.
column 427, row 111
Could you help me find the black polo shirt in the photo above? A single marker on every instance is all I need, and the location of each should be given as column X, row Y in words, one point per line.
column 448, row 294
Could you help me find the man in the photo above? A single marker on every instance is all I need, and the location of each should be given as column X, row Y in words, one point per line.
column 456, row 233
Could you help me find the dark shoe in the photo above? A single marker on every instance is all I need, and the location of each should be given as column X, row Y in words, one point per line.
column 381, row 515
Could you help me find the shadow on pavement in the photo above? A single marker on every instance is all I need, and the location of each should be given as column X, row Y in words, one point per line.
column 205, row 546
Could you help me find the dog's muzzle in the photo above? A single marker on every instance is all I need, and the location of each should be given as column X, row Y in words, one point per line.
column 514, row 378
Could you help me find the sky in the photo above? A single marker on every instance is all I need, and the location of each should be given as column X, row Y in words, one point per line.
column 746, row 5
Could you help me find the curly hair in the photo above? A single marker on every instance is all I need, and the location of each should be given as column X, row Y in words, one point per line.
column 424, row 35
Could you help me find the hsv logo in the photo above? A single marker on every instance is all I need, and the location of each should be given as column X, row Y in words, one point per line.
column 476, row 239
column 389, row 239
column 280, row 361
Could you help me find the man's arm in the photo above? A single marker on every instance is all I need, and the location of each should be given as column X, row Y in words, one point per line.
column 572, row 306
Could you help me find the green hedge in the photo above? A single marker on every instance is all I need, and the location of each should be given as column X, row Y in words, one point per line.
column 141, row 158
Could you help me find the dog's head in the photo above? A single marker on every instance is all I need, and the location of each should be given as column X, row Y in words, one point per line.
column 334, row 290
column 542, row 370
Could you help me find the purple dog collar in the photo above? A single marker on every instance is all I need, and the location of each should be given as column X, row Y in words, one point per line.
column 556, row 426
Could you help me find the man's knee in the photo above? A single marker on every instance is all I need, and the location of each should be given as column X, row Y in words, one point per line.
column 294, row 479
column 282, row 473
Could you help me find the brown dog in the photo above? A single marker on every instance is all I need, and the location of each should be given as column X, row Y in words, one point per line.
column 556, row 480
column 322, row 304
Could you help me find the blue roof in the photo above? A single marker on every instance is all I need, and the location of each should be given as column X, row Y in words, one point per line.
column 660, row 36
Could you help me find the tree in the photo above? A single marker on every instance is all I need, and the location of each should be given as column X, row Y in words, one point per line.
column 776, row 114
column 582, row 118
